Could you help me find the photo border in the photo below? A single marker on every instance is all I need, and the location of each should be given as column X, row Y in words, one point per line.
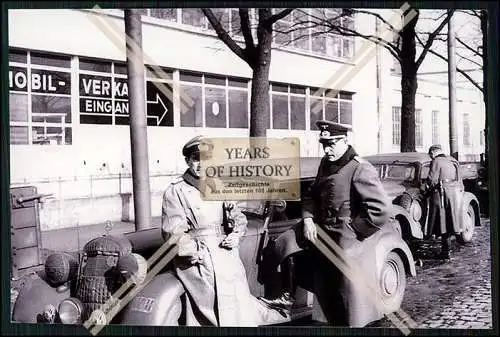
column 115, row 330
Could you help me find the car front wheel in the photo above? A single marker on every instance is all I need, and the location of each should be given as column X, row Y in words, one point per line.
column 469, row 223
column 392, row 282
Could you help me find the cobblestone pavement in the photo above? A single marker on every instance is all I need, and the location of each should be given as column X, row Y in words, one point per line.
column 456, row 294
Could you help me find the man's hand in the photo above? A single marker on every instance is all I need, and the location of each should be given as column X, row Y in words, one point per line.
column 310, row 231
column 231, row 241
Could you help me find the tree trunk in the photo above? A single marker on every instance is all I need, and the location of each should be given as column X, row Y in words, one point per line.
column 409, row 85
column 259, row 100
column 260, row 64
column 484, row 30
column 408, row 92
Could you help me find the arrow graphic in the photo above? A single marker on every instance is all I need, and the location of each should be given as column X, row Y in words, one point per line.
column 165, row 109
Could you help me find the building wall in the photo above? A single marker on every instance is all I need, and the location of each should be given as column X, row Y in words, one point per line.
column 90, row 179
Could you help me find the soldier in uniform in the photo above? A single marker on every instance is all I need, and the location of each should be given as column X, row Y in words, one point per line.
column 348, row 201
column 443, row 217
column 208, row 263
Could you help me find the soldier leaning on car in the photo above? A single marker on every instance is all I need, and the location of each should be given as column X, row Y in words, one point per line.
column 208, row 263
column 443, row 211
column 348, row 201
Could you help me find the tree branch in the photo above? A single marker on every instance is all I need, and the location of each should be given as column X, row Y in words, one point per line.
column 360, row 11
column 224, row 36
column 278, row 16
column 472, row 12
column 245, row 28
column 475, row 52
column 462, row 72
column 469, row 60
column 432, row 36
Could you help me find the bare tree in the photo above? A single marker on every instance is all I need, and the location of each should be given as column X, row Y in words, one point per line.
column 403, row 48
column 257, row 54
column 472, row 50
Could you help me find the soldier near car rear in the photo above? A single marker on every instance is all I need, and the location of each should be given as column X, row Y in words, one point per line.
column 444, row 199
column 348, row 202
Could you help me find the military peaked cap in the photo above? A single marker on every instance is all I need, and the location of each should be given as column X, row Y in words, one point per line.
column 329, row 130
column 191, row 146
column 435, row 147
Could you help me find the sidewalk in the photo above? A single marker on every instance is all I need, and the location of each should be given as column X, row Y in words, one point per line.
column 74, row 238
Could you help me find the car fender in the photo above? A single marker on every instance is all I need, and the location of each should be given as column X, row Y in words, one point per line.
column 159, row 303
column 34, row 296
column 409, row 227
column 390, row 241
column 468, row 199
column 362, row 306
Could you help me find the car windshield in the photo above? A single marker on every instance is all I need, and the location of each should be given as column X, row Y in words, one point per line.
column 399, row 172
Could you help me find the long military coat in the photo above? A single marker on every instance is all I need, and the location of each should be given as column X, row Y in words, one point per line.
column 355, row 186
column 353, row 195
column 445, row 168
column 217, row 286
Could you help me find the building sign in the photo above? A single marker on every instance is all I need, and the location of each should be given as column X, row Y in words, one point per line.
column 104, row 97
column 42, row 81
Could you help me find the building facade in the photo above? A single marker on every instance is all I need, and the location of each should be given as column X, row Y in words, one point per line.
column 68, row 102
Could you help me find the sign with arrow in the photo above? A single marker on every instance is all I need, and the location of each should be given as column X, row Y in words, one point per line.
column 159, row 108
column 102, row 98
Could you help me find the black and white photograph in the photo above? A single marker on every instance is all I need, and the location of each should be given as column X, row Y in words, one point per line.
column 385, row 111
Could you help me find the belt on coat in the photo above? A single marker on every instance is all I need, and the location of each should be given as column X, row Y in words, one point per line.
column 447, row 180
column 212, row 230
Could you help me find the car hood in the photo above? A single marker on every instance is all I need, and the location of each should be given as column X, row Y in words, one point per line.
column 393, row 188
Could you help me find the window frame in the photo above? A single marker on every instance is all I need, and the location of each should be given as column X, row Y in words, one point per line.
column 29, row 124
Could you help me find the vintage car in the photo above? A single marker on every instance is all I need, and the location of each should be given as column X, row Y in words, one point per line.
column 403, row 176
column 384, row 257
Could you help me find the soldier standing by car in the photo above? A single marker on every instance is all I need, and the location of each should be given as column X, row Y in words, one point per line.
column 208, row 263
column 443, row 213
column 348, row 201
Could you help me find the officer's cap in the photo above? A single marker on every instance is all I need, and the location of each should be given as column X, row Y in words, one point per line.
column 191, row 146
column 435, row 148
column 330, row 131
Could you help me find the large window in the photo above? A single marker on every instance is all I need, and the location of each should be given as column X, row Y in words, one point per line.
column 218, row 101
column 435, row 127
column 39, row 98
column 419, row 128
column 288, row 106
column 466, row 130
column 396, row 125
column 330, row 105
column 294, row 31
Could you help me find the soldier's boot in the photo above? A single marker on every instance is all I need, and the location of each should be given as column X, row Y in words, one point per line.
column 287, row 298
column 445, row 248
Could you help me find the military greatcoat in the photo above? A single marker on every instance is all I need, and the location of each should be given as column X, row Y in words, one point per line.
column 347, row 200
column 444, row 214
column 214, row 277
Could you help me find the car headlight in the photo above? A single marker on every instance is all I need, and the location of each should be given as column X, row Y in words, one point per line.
column 416, row 211
column 71, row 311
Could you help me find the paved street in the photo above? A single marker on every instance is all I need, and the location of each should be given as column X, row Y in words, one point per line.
column 456, row 294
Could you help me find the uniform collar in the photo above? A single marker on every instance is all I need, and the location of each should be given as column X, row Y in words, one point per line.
column 191, row 179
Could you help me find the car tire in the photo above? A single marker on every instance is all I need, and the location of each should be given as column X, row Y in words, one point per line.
column 392, row 282
column 469, row 224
